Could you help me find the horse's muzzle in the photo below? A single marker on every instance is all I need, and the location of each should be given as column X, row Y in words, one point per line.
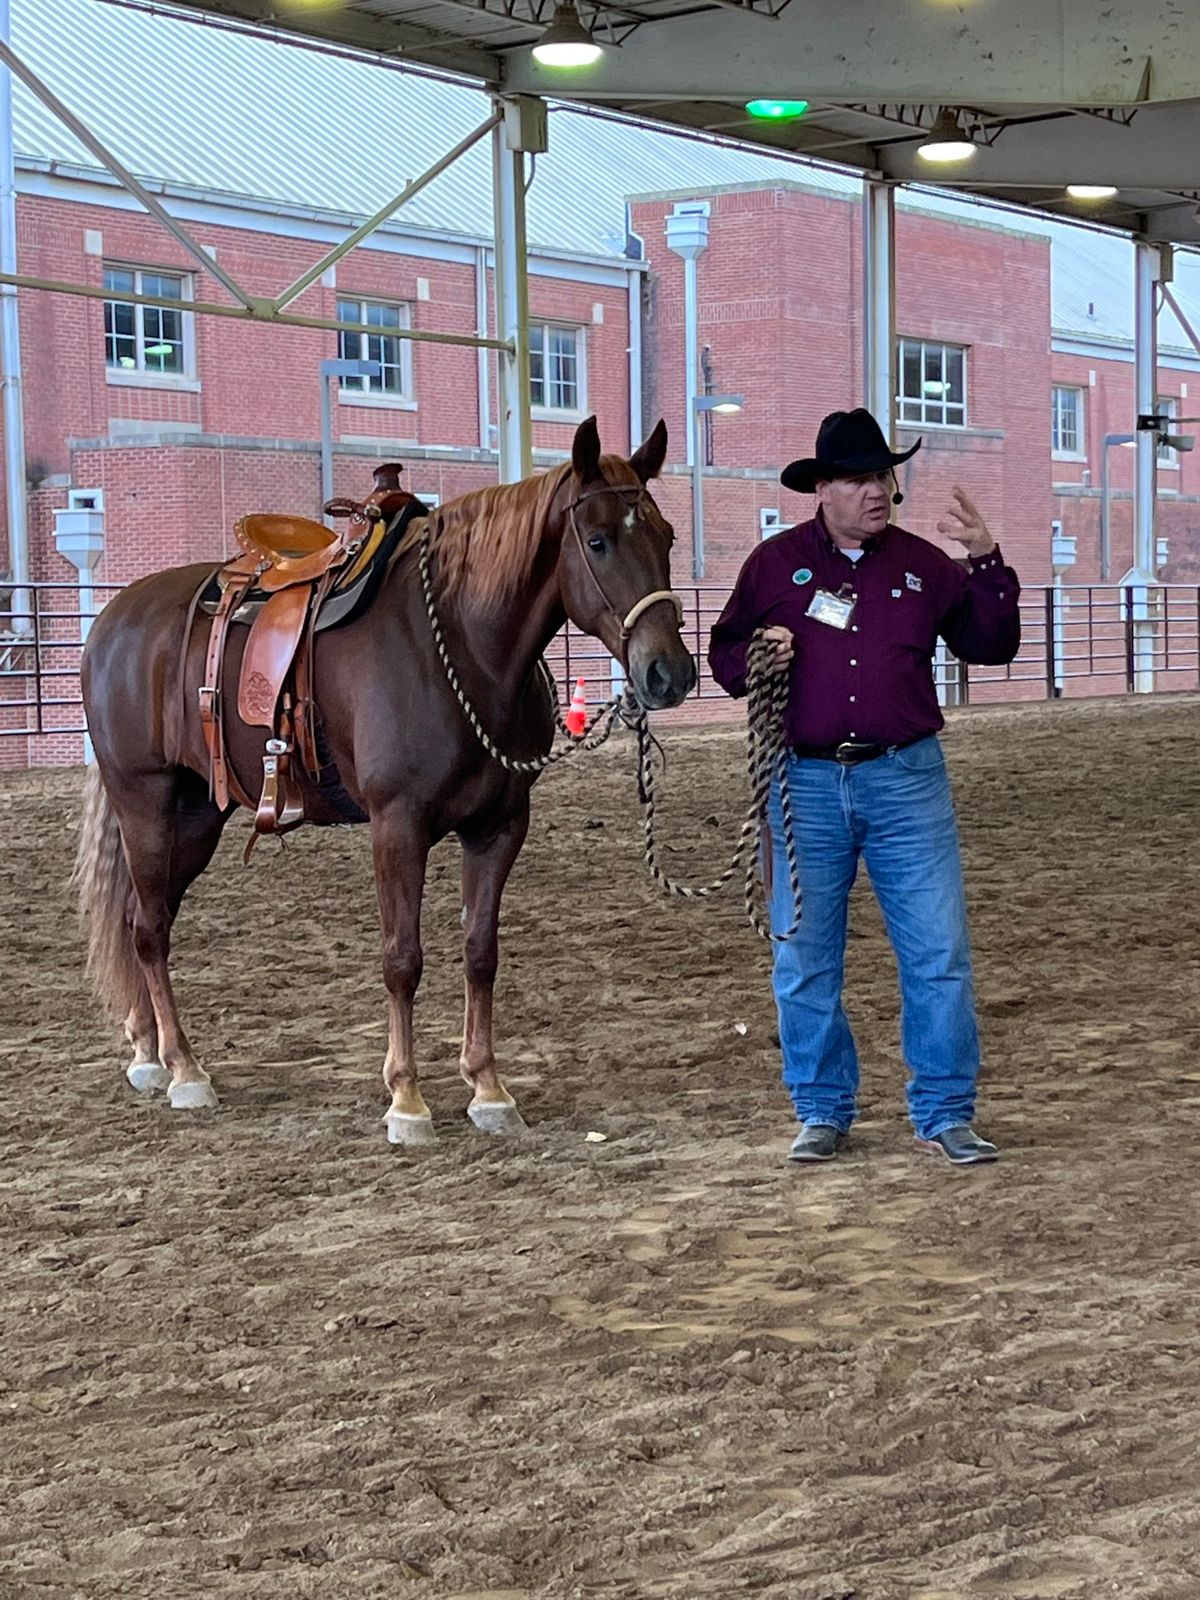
column 664, row 679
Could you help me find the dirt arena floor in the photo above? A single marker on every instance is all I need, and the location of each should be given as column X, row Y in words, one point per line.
column 260, row 1353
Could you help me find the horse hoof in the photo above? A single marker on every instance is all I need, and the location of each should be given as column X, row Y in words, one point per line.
column 494, row 1116
column 402, row 1128
column 192, row 1097
column 148, row 1076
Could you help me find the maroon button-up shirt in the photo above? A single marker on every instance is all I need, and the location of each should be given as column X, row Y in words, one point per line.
column 872, row 681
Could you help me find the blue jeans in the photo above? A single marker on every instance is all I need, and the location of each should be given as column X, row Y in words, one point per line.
column 896, row 813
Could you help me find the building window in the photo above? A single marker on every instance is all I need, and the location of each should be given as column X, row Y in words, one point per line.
column 556, row 376
column 933, row 383
column 1066, row 428
column 1165, row 406
column 152, row 340
column 393, row 381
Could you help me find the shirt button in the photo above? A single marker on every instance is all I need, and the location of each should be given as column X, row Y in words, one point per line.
column 853, row 698
column 854, row 663
column 854, row 627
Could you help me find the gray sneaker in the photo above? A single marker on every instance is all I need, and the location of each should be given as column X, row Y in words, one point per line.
column 962, row 1146
column 816, row 1142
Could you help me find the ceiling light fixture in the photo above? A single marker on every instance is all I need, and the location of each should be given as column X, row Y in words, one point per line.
column 566, row 42
column 946, row 142
column 1091, row 191
column 777, row 110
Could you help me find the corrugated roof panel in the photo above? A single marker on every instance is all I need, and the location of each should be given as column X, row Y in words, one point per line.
column 234, row 114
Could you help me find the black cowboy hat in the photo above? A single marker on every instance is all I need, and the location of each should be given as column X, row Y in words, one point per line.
column 849, row 445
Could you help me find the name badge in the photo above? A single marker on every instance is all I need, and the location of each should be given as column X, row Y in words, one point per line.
column 834, row 610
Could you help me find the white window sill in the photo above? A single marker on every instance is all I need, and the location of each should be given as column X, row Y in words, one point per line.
column 1168, row 466
column 1068, row 455
column 151, row 380
column 377, row 402
column 549, row 414
column 943, row 427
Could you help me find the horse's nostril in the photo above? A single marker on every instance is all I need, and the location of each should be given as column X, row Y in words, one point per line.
column 658, row 680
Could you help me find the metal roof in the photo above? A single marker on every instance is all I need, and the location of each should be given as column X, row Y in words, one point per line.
column 1069, row 92
column 227, row 112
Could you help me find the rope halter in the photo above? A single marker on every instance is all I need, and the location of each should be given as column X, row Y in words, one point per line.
column 626, row 625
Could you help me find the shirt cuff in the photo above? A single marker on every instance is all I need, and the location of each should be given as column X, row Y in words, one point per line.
column 993, row 559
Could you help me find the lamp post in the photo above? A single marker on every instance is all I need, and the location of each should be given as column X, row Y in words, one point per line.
column 1110, row 439
column 702, row 405
column 336, row 367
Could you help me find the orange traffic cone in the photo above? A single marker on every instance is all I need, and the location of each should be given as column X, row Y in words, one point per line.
column 577, row 714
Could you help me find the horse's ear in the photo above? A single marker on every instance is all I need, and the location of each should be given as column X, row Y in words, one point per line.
column 648, row 458
column 585, row 452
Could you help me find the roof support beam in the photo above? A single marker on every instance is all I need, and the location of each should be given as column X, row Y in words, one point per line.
column 119, row 171
column 261, row 311
column 381, row 216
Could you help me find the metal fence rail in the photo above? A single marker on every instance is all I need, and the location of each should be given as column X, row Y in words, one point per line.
column 1075, row 639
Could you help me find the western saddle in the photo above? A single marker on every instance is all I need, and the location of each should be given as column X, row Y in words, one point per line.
column 294, row 577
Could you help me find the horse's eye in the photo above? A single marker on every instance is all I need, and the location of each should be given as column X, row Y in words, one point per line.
column 596, row 544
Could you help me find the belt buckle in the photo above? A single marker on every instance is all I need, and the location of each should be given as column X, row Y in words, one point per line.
column 844, row 755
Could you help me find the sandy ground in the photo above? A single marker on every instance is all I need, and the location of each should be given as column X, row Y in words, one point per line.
column 260, row 1353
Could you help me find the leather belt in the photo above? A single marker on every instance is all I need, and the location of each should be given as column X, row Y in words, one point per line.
column 849, row 753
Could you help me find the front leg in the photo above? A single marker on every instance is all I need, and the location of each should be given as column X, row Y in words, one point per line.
column 400, row 847
column 486, row 866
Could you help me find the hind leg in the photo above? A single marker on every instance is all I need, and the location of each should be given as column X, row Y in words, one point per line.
column 170, row 830
column 145, row 1072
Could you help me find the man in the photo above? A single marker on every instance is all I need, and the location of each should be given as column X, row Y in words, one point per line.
column 854, row 608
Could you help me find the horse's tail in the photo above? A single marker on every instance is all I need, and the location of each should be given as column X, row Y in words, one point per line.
column 101, row 879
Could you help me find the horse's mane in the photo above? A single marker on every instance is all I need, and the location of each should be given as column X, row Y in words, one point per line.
column 486, row 541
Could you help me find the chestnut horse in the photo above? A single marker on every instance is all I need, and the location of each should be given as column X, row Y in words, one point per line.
column 510, row 564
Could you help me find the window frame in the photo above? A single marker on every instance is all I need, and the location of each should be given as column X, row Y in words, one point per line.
column 1059, row 452
column 925, row 420
column 380, row 399
column 141, row 376
column 547, row 413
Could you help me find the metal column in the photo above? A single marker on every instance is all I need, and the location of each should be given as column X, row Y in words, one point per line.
column 514, row 431
column 1149, row 271
column 879, row 302
column 687, row 237
column 10, row 338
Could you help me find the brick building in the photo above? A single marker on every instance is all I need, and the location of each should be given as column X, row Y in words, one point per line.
column 1014, row 356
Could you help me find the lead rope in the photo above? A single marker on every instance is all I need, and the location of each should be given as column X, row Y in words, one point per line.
column 596, row 729
column 766, row 758
column 766, row 753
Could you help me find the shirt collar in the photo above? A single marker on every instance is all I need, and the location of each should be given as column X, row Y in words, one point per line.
column 867, row 546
